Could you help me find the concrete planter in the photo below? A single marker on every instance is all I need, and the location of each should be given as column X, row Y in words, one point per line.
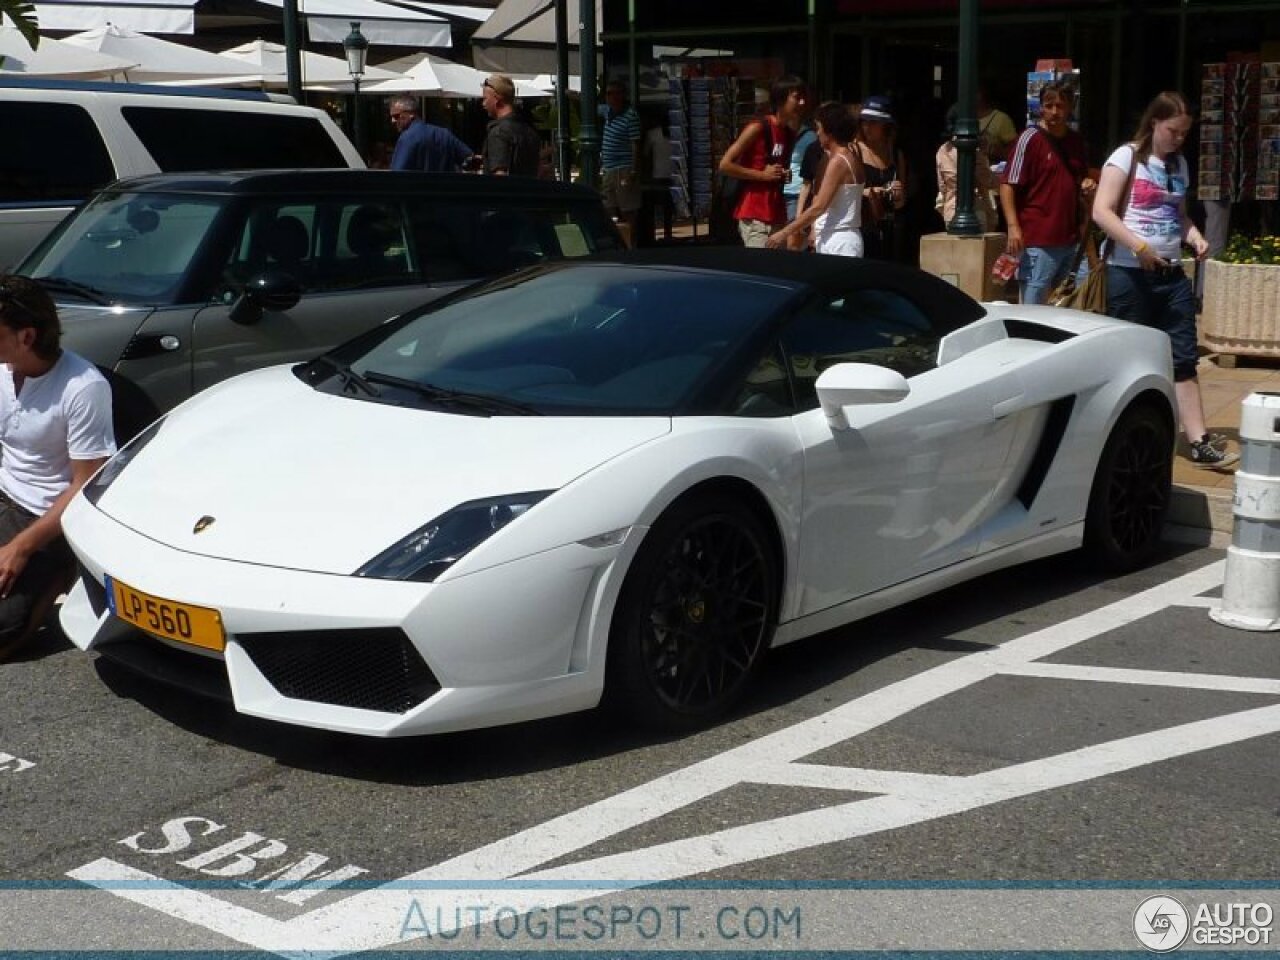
column 1241, row 315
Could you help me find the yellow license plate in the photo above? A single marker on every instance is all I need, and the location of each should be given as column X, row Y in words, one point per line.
column 198, row 626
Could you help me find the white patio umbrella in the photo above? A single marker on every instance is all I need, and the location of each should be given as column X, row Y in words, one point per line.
column 54, row 58
column 436, row 76
column 547, row 81
column 160, row 61
column 267, row 62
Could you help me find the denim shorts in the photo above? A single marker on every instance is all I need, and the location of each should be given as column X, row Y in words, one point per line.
column 1163, row 300
column 1040, row 269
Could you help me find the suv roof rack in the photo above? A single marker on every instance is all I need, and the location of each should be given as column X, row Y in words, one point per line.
column 103, row 86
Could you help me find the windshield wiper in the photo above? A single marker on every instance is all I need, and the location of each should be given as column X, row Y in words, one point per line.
column 480, row 402
column 63, row 285
column 348, row 377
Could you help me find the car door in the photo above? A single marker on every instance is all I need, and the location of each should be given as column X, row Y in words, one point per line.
column 353, row 261
column 907, row 487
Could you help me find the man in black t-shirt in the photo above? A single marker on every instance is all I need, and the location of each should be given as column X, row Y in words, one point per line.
column 511, row 144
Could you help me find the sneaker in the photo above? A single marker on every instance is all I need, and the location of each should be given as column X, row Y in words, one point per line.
column 1209, row 452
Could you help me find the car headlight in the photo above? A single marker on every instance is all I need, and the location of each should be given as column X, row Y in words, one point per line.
column 98, row 484
column 434, row 547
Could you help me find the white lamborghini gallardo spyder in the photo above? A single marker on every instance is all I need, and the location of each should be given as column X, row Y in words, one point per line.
column 624, row 478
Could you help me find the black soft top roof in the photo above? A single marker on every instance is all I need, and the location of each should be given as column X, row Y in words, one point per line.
column 947, row 306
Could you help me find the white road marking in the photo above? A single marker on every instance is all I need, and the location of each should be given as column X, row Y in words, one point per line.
column 1150, row 678
column 374, row 918
column 11, row 764
column 1205, row 602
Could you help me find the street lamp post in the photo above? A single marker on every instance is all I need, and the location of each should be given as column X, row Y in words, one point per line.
column 356, row 47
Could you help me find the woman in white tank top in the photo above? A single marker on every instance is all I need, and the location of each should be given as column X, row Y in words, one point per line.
column 835, row 214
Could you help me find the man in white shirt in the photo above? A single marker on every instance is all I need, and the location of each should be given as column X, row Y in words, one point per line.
column 55, row 431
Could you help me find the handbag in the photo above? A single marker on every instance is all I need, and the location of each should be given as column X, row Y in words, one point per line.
column 1091, row 296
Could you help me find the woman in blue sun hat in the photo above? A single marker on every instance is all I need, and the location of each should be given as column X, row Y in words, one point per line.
column 885, row 194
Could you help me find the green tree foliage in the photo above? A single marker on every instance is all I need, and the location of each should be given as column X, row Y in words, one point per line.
column 23, row 16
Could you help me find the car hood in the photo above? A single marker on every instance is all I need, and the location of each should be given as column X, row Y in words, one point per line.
column 306, row 480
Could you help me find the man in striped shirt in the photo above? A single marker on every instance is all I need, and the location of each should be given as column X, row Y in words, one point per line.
column 620, row 155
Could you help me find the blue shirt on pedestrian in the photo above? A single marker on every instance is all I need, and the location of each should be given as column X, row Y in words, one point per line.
column 424, row 146
column 620, row 135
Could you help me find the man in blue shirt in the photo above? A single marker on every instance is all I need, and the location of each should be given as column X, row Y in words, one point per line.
column 620, row 155
column 422, row 145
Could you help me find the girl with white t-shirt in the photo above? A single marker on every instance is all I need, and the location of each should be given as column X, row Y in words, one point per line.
column 1147, row 227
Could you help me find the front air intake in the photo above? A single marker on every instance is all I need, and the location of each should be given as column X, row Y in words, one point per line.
column 375, row 669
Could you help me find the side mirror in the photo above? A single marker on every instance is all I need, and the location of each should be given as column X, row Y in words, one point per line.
column 856, row 384
column 270, row 290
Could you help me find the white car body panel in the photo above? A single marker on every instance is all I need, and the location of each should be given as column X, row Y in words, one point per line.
column 311, row 516
column 913, row 497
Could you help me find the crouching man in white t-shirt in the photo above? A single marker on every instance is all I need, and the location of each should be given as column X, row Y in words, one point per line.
column 55, row 431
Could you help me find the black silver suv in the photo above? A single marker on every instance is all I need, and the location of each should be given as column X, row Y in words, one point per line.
column 173, row 282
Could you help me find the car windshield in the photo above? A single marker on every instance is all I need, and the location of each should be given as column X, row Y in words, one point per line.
column 580, row 340
column 129, row 248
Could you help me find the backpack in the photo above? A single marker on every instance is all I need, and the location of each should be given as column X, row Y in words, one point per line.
column 731, row 187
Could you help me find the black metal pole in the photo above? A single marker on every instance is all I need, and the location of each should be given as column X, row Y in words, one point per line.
column 357, row 118
column 564, row 153
column 966, row 222
column 588, row 132
column 292, row 54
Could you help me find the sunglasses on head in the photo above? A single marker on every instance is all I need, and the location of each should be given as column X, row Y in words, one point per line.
column 9, row 295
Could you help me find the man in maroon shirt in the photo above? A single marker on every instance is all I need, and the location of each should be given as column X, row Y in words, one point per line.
column 1044, row 193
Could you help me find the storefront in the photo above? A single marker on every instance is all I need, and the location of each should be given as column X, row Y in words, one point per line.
column 1125, row 50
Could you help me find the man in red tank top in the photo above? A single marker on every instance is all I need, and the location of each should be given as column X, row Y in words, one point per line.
column 761, row 159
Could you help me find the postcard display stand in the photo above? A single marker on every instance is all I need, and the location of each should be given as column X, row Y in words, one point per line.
column 705, row 115
column 678, row 123
column 1240, row 130
column 1050, row 71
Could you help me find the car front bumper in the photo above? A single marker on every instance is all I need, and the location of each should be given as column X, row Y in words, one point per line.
column 508, row 643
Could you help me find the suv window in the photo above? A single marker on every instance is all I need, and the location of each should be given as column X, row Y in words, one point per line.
column 59, row 157
column 206, row 139
column 863, row 326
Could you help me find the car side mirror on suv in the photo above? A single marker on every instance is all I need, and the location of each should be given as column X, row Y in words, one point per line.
column 269, row 290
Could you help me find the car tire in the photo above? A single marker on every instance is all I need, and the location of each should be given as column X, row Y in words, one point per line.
column 1129, row 499
column 695, row 616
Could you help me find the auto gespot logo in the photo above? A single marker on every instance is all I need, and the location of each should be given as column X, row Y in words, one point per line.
column 1161, row 924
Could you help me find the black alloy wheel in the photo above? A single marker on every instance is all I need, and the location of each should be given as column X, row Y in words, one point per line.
column 1131, row 490
column 695, row 617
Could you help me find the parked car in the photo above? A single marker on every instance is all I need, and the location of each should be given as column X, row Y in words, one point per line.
column 65, row 139
column 625, row 477
column 173, row 282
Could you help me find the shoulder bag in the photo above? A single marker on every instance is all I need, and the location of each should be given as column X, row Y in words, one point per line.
column 1091, row 295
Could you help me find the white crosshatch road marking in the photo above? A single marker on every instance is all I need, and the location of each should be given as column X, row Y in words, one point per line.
column 11, row 764
column 373, row 918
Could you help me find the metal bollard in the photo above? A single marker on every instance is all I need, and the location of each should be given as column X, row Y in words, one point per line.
column 1251, row 588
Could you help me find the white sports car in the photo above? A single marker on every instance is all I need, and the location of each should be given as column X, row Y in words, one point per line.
column 626, row 477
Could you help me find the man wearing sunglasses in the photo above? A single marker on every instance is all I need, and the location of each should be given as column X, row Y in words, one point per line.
column 55, row 431
column 422, row 145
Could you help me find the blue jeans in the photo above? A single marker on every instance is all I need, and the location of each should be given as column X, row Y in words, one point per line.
column 1041, row 269
column 1163, row 300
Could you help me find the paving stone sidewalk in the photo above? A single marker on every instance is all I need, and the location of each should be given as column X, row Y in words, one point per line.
column 1202, row 498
